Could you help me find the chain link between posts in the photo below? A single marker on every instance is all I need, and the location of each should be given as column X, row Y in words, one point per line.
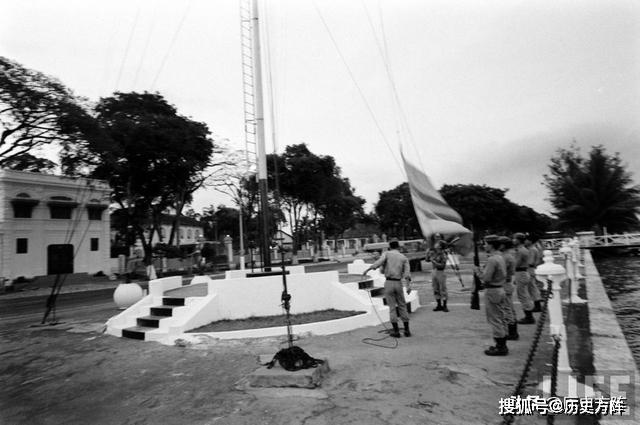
column 554, row 375
column 508, row 419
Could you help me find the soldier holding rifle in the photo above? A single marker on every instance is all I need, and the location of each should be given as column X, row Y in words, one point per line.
column 494, row 276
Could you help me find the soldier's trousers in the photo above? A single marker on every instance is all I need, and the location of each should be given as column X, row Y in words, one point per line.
column 534, row 286
column 522, row 288
column 394, row 295
column 509, row 309
column 494, row 300
column 439, row 284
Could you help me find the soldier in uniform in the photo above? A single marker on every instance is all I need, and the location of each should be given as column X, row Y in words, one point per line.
column 510, row 312
column 521, row 277
column 534, row 260
column 438, row 259
column 493, row 276
column 395, row 267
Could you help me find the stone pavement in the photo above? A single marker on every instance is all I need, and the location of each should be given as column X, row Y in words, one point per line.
column 74, row 374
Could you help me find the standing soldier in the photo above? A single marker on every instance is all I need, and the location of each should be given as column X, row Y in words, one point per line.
column 534, row 260
column 521, row 276
column 509, row 288
column 493, row 276
column 438, row 259
column 395, row 267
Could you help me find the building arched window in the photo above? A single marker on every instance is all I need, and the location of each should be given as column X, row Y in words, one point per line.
column 23, row 205
column 94, row 209
column 189, row 234
column 61, row 207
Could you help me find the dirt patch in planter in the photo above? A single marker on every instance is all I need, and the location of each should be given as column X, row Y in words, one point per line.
column 272, row 321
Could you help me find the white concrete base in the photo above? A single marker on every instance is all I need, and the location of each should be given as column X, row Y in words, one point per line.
column 240, row 298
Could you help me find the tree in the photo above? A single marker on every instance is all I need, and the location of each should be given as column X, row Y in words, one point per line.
column 149, row 154
column 28, row 162
column 395, row 211
column 312, row 193
column 484, row 208
column 593, row 192
column 36, row 111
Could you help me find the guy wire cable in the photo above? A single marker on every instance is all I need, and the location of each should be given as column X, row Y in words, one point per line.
column 359, row 89
column 145, row 48
column 399, row 110
column 171, row 43
column 126, row 50
column 375, row 341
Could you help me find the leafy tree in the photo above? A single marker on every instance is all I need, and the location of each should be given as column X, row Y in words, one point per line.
column 484, row 208
column 313, row 195
column 395, row 212
column 28, row 162
column 593, row 192
column 149, row 154
column 37, row 111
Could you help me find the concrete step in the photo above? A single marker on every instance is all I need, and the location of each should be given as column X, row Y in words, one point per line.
column 365, row 284
column 173, row 301
column 136, row 332
column 377, row 291
column 163, row 310
column 150, row 321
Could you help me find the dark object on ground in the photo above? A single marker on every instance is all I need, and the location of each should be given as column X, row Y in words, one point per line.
column 294, row 358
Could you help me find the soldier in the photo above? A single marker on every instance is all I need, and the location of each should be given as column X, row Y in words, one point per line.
column 493, row 276
column 438, row 259
column 534, row 260
column 395, row 267
column 510, row 311
column 521, row 277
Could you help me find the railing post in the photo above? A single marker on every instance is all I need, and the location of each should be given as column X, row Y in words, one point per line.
column 556, row 273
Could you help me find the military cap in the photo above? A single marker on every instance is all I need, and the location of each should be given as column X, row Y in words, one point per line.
column 520, row 236
column 505, row 240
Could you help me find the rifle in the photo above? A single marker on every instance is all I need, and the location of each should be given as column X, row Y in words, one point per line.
column 475, row 296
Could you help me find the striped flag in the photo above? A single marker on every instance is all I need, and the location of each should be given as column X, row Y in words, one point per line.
column 433, row 212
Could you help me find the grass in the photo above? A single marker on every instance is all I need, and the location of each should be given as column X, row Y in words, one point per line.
column 272, row 321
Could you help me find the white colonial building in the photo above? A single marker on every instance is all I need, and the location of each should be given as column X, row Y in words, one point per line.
column 52, row 224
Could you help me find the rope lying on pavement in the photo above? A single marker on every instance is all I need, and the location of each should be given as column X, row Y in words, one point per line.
column 509, row 418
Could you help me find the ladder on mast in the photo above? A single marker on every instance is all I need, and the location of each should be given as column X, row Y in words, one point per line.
column 246, row 42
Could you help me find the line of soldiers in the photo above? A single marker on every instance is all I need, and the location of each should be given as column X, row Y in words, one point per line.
column 510, row 268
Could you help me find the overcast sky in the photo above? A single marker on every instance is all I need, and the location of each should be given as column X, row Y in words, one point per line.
column 489, row 89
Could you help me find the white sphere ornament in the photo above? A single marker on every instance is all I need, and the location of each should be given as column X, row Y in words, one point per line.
column 127, row 294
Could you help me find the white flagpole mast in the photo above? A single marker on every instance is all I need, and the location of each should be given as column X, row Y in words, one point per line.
column 260, row 140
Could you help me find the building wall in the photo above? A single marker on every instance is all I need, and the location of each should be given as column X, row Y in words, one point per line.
column 41, row 230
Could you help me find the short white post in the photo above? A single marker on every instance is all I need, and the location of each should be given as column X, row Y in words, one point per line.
column 575, row 252
column 556, row 273
column 228, row 242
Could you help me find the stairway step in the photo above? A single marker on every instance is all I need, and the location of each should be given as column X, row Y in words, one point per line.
column 377, row 291
column 163, row 310
column 174, row 301
column 365, row 284
column 150, row 321
column 136, row 332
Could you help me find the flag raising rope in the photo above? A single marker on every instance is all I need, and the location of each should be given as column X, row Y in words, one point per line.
column 433, row 212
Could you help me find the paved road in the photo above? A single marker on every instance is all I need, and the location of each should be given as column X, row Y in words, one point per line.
column 30, row 310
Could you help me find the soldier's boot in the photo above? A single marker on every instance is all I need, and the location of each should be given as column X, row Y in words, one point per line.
column 513, row 332
column 438, row 307
column 444, row 306
column 500, row 349
column 536, row 306
column 396, row 331
column 407, row 332
column 528, row 318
